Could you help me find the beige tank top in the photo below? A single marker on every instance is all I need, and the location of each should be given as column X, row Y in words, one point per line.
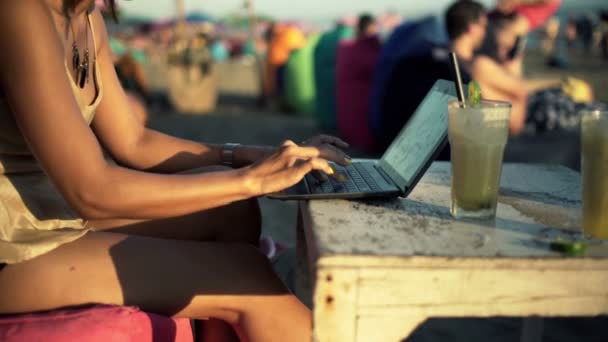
column 34, row 217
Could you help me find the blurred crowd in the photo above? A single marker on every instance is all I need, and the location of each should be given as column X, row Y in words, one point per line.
column 364, row 76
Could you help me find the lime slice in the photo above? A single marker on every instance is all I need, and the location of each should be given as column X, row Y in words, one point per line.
column 574, row 248
column 474, row 93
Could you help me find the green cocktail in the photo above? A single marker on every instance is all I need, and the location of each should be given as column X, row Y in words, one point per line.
column 478, row 135
column 594, row 133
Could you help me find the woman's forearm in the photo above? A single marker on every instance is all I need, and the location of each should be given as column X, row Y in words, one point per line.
column 161, row 153
column 119, row 192
column 535, row 85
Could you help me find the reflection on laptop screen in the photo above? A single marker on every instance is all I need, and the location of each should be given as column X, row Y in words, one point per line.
column 420, row 137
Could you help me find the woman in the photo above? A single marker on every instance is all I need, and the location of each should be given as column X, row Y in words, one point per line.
column 498, row 67
column 499, row 70
column 155, row 229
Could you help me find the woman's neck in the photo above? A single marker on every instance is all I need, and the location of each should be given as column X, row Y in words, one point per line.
column 70, row 7
column 464, row 48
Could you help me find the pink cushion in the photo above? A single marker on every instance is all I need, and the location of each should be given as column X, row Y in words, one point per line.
column 355, row 63
column 99, row 323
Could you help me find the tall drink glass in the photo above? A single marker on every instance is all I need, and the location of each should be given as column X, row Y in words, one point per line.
column 594, row 133
column 478, row 136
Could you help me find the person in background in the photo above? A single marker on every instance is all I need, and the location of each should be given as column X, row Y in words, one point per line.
column 570, row 32
column 603, row 33
column 388, row 22
column 325, row 72
column 355, row 63
column 413, row 76
column 584, row 27
column 366, row 26
column 498, row 68
column 286, row 37
column 466, row 22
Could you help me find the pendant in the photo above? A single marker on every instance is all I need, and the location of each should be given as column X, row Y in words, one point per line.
column 84, row 70
column 75, row 57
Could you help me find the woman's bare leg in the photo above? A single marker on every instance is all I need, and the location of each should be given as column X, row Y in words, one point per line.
column 215, row 330
column 237, row 222
column 229, row 281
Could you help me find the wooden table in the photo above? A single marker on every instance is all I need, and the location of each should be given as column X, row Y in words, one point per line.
column 378, row 268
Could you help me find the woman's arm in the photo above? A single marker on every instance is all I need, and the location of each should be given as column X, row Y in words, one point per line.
column 534, row 85
column 33, row 77
column 498, row 84
column 127, row 139
column 141, row 148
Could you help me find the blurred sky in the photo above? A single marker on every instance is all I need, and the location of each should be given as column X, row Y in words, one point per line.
column 315, row 10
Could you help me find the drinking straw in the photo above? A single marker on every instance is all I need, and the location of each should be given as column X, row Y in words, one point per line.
column 461, row 98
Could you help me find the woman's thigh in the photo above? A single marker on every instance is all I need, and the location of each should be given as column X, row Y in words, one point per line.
column 171, row 277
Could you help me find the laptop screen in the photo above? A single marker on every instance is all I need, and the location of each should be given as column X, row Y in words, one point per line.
column 421, row 137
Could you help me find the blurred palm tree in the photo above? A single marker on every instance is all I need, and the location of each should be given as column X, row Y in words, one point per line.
column 180, row 12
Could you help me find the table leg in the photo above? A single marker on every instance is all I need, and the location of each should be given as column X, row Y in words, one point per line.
column 532, row 329
column 303, row 284
column 335, row 309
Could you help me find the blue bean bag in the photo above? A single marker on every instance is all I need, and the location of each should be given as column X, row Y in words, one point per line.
column 410, row 39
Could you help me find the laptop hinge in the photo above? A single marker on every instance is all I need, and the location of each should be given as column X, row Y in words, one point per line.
column 387, row 177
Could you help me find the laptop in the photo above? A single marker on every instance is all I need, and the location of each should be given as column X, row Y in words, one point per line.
column 402, row 165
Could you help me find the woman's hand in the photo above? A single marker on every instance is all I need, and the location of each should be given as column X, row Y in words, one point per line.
column 330, row 148
column 284, row 168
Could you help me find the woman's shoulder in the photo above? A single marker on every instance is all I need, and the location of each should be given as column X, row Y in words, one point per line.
column 481, row 64
column 483, row 60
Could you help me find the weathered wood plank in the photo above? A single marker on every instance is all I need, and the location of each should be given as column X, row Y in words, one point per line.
column 537, row 204
column 569, row 307
column 386, row 328
column 303, row 265
column 492, row 290
column 588, row 263
column 312, row 249
column 335, row 307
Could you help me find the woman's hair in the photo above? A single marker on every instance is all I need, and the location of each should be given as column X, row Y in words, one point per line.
column 497, row 21
column 110, row 4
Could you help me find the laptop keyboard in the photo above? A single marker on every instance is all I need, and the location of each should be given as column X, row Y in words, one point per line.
column 358, row 179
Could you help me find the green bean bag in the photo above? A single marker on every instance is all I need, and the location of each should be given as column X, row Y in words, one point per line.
column 325, row 75
column 299, row 78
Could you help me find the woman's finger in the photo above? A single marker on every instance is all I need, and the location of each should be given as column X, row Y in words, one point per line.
column 288, row 151
column 319, row 176
column 317, row 164
column 334, row 154
column 328, row 139
column 302, row 169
